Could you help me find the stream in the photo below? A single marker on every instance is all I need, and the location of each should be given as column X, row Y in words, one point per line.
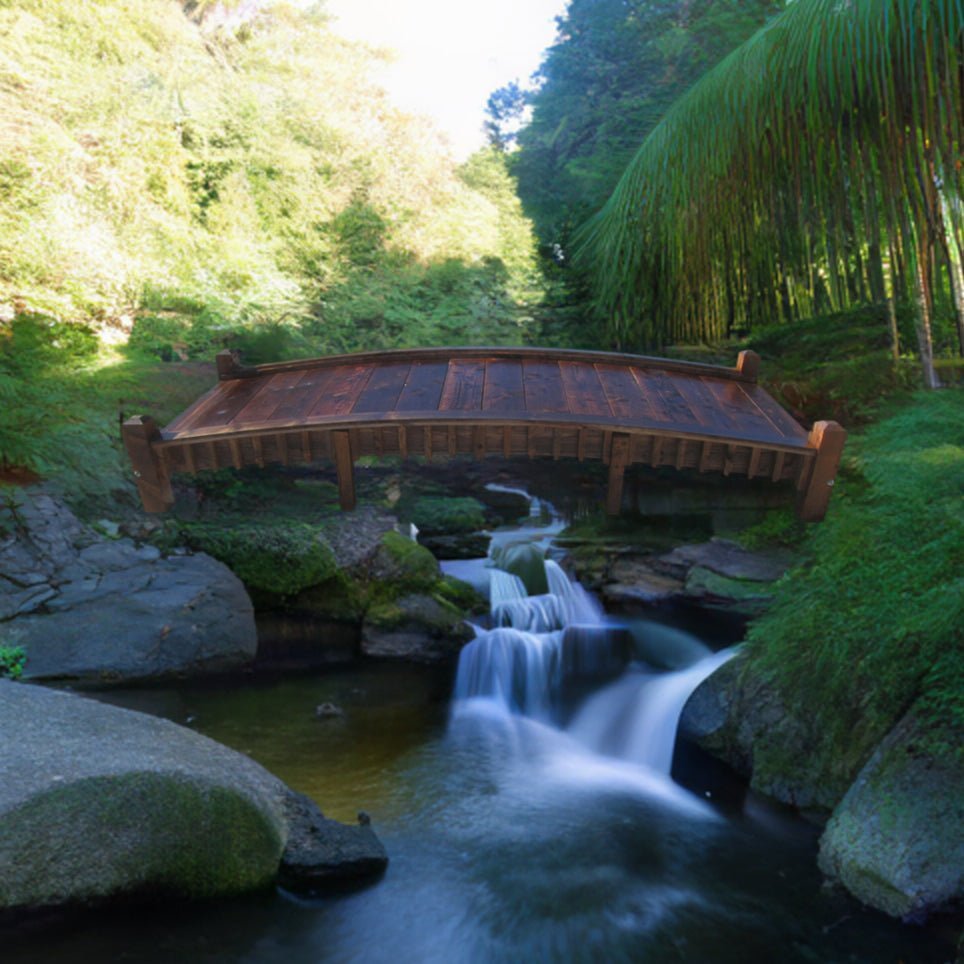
column 535, row 809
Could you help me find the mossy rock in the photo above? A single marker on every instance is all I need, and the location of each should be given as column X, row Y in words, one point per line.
column 460, row 595
column 446, row 516
column 277, row 559
column 402, row 566
column 527, row 561
column 417, row 627
column 742, row 595
column 895, row 839
column 340, row 599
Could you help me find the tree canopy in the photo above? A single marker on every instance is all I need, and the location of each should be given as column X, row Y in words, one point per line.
column 817, row 166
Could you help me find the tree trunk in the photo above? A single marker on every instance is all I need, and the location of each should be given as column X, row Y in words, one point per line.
column 923, row 298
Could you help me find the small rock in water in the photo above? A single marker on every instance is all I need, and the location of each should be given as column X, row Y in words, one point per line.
column 328, row 711
column 364, row 819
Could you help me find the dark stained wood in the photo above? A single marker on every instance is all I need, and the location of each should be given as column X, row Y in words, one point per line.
column 783, row 423
column 520, row 402
column 219, row 407
column 261, row 407
column 341, row 442
column 731, row 400
column 383, row 388
column 503, row 390
column 544, row 391
column 462, row 390
column 618, row 460
column 153, row 485
column 422, row 391
column 584, row 391
column 748, row 364
column 828, row 439
column 302, row 396
column 623, row 394
column 668, row 404
column 341, row 390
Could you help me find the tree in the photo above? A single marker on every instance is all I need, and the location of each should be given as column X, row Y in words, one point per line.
column 816, row 166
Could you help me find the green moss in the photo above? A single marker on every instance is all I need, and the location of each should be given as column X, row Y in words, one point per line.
column 874, row 622
column 459, row 595
column 411, row 567
column 444, row 516
column 138, row 832
column 281, row 559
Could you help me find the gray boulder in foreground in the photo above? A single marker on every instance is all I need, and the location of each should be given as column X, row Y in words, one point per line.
column 323, row 853
column 98, row 802
column 896, row 840
column 85, row 607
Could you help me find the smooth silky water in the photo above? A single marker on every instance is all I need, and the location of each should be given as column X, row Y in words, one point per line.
column 530, row 818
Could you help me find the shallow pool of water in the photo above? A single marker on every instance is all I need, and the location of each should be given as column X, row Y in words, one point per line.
column 507, row 843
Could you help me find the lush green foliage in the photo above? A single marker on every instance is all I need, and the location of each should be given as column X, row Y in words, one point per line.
column 197, row 176
column 278, row 558
column 816, row 167
column 613, row 72
column 444, row 515
column 874, row 623
column 12, row 661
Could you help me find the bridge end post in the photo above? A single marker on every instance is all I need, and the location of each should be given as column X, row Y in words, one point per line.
column 618, row 460
column 748, row 365
column 828, row 439
column 229, row 364
column 344, row 467
column 153, row 483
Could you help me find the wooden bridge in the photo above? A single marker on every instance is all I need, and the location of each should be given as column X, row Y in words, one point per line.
column 514, row 402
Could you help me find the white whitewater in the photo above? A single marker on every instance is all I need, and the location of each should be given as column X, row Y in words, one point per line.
column 539, row 644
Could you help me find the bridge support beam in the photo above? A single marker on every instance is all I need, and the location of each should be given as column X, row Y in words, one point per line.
column 618, row 460
column 828, row 439
column 153, row 482
column 344, row 466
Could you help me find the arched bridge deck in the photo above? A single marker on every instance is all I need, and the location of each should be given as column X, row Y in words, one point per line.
column 536, row 403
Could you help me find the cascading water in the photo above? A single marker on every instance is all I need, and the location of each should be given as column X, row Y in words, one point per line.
column 540, row 643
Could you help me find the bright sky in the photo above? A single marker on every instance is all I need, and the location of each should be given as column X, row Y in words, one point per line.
column 451, row 53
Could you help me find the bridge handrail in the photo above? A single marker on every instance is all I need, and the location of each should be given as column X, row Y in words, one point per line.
column 746, row 368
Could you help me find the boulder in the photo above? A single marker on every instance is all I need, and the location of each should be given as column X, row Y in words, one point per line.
column 322, row 854
column 417, row 628
column 896, row 840
column 100, row 803
column 731, row 560
column 85, row 607
column 739, row 717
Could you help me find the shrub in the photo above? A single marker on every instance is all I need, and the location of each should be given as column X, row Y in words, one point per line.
column 12, row 661
column 281, row 559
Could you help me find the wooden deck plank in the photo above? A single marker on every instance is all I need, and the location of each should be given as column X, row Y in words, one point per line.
column 665, row 398
column 503, row 390
column 261, row 407
column 383, row 388
column 301, row 397
column 462, row 389
column 585, row 394
column 733, row 402
column 544, row 391
column 228, row 399
column 341, row 390
column 623, row 394
column 784, row 423
column 703, row 405
column 422, row 391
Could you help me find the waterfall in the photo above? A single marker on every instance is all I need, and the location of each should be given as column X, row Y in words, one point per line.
column 539, row 643
column 636, row 717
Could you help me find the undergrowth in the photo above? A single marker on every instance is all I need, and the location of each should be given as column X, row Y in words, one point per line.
column 874, row 622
